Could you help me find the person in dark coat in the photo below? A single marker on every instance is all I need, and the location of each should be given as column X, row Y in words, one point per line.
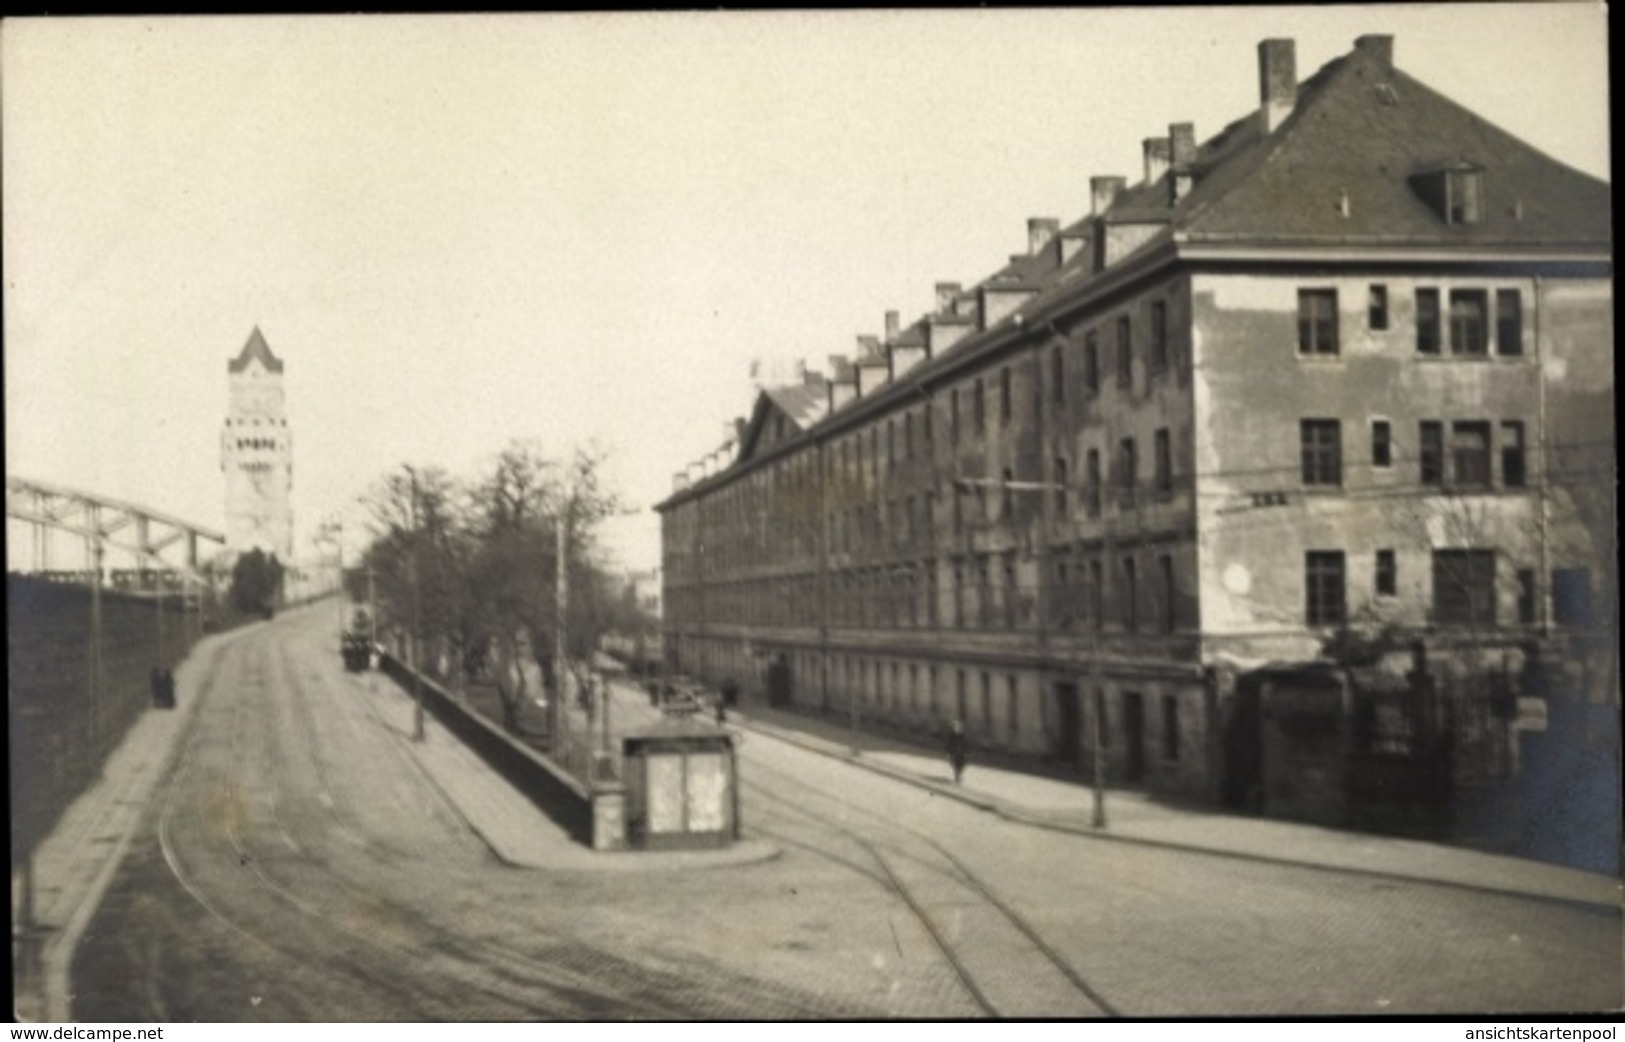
column 157, row 683
column 169, row 688
column 956, row 749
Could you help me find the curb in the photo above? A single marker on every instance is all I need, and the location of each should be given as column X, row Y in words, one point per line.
column 1015, row 814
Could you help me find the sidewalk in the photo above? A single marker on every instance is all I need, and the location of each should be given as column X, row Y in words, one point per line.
column 74, row 865
column 1134, row 817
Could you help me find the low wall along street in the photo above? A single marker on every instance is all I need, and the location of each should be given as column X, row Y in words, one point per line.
column 551, row 789
column 63, row 723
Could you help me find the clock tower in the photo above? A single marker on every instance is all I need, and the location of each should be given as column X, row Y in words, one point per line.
column 256, row 454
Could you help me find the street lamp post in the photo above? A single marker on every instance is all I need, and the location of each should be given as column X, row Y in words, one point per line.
column 1099, row 816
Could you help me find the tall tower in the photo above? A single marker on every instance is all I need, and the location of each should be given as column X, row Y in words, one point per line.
column 256, row 454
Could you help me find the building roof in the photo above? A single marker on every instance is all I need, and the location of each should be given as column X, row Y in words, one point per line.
column 255, row 348
column 1362, row 127
column 801, row 404
column 1348, row 168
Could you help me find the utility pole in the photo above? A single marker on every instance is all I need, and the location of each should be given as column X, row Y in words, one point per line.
column 561, row 671
column 94, row 545
column 417, row 635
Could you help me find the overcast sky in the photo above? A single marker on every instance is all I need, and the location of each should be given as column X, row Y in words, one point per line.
column 456, row 231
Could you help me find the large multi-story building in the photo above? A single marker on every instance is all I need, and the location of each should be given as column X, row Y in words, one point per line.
column 1306, row 376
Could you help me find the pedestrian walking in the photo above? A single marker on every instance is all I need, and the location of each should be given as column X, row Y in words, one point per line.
column 169, row 689
column 956, row 749
column 157, row 683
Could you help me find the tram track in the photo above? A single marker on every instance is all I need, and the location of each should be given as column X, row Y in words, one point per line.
column 971, row 926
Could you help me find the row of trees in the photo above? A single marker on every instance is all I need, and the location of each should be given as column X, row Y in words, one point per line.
column 471, row 567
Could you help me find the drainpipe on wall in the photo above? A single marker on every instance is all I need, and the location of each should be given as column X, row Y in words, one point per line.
column 1543, row 581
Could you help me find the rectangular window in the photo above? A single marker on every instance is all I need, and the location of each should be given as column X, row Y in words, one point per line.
column 1427, row 321
column 1571, row 596
column 1159, row 336
column 1061, row 604
column 1324, row 587
column 1377, row 308
column 1464, row 587
column 1012, row 708
column 1164, row 462
column 1387, row 583
column 959, row 597
column 979, row 407
column 1430, row 451
column 1060, row 487
column 925, row 420
column 1091, row 362
column 1470, row 447
column 1092, row 482
column 1526, row 596
column 1125, row 352
column 1469, row 327
column 1170, row 727
column 1317, row 321
column 1513, row 474
column 987, row 706
column 1127, row 470
column 1508, row 322
column 1097, row 592
column 1165, row 573
column 1057, row 374
column 1130, row 595
column 891, row 441
column 908, row 436
column 953, row 415
column 1004, row 396
column 1321, row 444
column 1382, row 444
column 1464, row 190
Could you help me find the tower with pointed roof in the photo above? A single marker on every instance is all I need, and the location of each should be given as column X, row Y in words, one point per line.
column 256, row 454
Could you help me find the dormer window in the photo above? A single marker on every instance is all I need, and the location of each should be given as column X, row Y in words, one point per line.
column 1456, row 192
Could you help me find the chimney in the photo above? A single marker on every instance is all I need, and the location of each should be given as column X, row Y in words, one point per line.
column 679, row 481
column 1156, row 157
column 891, row 326
column 1040, row 230
column 1103, row 192
column 1380, row 48
column 1182, row 153
column 1277, row 82
column 739, row 429
column 843, row 381
column 946, row 292
column 1182, row 143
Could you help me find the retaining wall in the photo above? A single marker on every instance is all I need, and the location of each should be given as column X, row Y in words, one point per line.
column 551, row 789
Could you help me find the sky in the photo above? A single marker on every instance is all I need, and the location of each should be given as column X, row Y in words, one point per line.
column 458, row 231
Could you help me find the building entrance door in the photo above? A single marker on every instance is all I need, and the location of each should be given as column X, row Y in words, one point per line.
column 1068, row 720
column 1133, row 737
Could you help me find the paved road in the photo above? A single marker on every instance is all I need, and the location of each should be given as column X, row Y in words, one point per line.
column 299, row 865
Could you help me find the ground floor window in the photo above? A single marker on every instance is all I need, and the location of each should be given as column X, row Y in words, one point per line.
column 1464, row 587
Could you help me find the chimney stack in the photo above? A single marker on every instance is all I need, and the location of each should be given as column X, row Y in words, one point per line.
column 1182, row 153
column 1156, row 157
column 1277, row 81
column 1103, row 192
column 1182, row 144
column 1040, row 230
column 892, row 326
column 946, row 293
column 1379, row 47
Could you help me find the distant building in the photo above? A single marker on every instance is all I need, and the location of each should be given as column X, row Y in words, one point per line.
column 256, row 455
column 1311, row 375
